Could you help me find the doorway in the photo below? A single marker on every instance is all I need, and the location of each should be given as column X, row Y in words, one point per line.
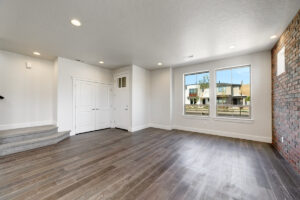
column 121, row 101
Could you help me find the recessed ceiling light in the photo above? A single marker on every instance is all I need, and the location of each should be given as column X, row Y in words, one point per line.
column 159, row 64
column 101, row 62
column 75, row 22
column 232, row 47
column 36, row 53
column 273, row 37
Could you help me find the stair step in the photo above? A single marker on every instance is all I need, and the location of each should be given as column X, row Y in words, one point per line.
column 14, row 147
column 21, row 134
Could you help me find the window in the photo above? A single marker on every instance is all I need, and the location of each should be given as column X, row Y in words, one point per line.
column 196, row 93
column 281, row 61
column 221, row 89
column 193, row 92
column 233, row 96
column 122, row 82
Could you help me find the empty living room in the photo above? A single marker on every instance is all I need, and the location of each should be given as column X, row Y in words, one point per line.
column 150, row 99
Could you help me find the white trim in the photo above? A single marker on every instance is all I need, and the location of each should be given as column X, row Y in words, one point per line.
column 138, row 128
column 27, row 124
column 199, row 117
column 225, row 134
column 160, row 126
column 89, row 80
column 73, row 131
column 234, row 120
column 115, row 75
column 205, row 131
column 150, row 125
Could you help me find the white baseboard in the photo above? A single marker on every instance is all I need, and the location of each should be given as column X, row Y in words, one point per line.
column 152, row 125
column 25, row 125
column 204, row 131
column 225, row 134
column 138, row 128
column 160, row 126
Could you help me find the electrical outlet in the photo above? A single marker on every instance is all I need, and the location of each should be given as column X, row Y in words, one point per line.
column 282, row 139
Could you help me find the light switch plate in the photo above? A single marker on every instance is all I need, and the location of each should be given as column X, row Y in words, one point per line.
column 28, row 65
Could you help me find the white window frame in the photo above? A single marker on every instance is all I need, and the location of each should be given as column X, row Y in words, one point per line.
column 233, row 119
column 195, row 116
column 280, row 59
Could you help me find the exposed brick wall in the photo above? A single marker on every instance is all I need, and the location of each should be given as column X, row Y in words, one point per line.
column 286, row 95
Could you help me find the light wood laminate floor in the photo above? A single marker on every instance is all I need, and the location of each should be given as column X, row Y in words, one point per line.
column 149, row 164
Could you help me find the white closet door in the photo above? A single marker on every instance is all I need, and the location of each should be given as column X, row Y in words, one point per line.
column 103, row 106
column 85, row 106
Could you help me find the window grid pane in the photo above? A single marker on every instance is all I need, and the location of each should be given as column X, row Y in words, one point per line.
column 123, row 81
column 196, row 97
column 120, row 83
column 233, row 98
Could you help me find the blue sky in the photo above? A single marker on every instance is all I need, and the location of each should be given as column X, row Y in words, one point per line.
column 195, row 78
column 234, row 75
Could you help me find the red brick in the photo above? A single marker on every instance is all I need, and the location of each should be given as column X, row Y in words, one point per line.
column 286, row 95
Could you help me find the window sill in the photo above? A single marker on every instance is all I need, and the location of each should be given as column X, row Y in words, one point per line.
column 196, row 117
column 234, row 120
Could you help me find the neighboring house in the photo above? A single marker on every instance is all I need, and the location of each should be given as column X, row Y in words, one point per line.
column 234, row 94
column 196, row 95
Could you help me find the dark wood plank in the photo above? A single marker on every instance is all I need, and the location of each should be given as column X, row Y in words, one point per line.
column 150, row 164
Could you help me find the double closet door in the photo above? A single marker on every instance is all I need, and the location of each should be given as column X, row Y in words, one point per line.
column 92, row 106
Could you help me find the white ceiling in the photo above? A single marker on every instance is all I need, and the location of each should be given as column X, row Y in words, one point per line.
column 142, row 32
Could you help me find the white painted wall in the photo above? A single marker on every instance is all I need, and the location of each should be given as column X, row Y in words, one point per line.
column 161, row 98
column 140, row 98
column 44, row 94
column 257, row 129
column 28, row 92
column 66, row 70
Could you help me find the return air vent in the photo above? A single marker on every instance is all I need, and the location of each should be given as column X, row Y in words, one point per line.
column 80, row 60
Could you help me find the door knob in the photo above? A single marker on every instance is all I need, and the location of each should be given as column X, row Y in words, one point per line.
column 1, row 97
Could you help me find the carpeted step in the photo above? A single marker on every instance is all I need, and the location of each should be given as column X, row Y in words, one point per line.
column 14, row 147
column 22, row 134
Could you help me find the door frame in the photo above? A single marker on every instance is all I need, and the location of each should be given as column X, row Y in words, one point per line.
column 115, row 77
column 74, row 80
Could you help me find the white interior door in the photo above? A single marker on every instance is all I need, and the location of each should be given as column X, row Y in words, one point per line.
column 121, row 101
column 103, row 106
column 92, row 106
column 85, row 106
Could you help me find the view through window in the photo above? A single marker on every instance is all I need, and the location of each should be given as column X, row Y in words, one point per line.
column 233, row 98
column 122, row 82
column 196, row 93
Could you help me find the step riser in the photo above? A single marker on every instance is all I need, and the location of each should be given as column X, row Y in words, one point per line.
column 28, row 136
column 17, row 149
